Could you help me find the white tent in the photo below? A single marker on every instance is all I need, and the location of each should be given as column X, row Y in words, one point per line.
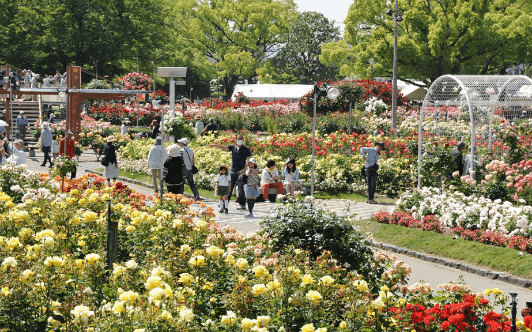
column 272, row 91
column 413, row 92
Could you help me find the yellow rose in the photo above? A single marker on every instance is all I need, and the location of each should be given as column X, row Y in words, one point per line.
column 27, row 276
column 261, row 271
column 186, row 278
column 166, row 316
column 80, row 263
column 152, row 282
column 118, row 307
column 89, row 215
column 130, row 229
column 263, row 321
column 247, row 324
column 258, row 289
column 307, row 328
column 314, row 297
column 197, row 261
column 214, row 252
column 342, row 325
column 92, row 258
column 327, row 280
column 242, row 263
column 306, row 280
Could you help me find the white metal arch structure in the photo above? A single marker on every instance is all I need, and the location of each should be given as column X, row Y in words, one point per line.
column 464, row 107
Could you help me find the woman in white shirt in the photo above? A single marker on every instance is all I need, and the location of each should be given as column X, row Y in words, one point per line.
column 291, row 176
column 270, row 178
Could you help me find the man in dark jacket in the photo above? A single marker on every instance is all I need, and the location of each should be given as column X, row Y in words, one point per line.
column 456, row 154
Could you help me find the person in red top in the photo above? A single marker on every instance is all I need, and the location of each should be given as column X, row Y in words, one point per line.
column 70, row 148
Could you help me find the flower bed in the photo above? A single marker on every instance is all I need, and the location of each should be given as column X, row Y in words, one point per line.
column 178, row 270
column 455, row 209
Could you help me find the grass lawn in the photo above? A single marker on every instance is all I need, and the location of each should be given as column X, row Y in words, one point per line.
column 353, row 197
column 443, row 245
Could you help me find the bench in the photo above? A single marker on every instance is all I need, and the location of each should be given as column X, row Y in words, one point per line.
column 273, row 191
column 32, row 148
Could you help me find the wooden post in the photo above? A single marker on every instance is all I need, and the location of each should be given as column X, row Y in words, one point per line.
column 74, row 100
column 112, row 239
column 8, row 107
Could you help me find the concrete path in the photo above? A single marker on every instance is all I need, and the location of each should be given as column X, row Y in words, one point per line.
column 431, row 273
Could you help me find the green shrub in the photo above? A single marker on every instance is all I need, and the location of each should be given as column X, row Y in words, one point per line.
column 315, row 230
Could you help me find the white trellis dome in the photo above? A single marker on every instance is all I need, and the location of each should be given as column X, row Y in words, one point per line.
column 464, row 107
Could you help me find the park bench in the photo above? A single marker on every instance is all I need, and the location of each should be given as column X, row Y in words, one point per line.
column 31, row 149
column 273, row 191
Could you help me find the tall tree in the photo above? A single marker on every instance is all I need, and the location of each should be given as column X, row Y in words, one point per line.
column 436, row 37
column 297, row 61
column 235, row 36
column 47, row 35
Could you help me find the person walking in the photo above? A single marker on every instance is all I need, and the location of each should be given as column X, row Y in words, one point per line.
column 155, row 131
column 174, row 167
column 67, row 147
column 270, row 178
column 156, row 157
column 22, row 124
column 46, row 143
column 252, row 185
column 371, row 156
column 124, row 128
column 223, row 182
column 199, row 126
column 456, row 154
column 188, row 159
column 239, row 154
column 55, row 146
column 291, row 176
column 110, row 172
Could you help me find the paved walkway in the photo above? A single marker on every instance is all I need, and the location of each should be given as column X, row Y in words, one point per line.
column 431, row 273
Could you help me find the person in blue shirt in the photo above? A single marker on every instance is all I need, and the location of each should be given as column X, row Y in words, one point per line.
column 46, row 143
column 371, row 156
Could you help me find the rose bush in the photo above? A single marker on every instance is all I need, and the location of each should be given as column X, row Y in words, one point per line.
column 178, row 270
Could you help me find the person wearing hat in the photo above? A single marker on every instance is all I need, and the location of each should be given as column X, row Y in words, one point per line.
column 22, row 124
column 456, row 154
column 155, row 131
column 156, row 158
column 67, row 147
column 371, row 156
column 46, row 143
column 251, row 188
column 239, row 155
column 199, row 126
column 174, row 167
column 223, row 182
column 270, row 178
column 110, row 172
column 188, row 159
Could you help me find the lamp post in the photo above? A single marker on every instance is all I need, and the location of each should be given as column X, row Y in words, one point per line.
column 396, row 18
column 191, row 88
column 96, row 67
column 136, row 57
column 332, row 93
column 112, row 238
column 153, row 79
column 371, row 62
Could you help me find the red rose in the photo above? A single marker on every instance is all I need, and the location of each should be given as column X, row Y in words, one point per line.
column 445, row 325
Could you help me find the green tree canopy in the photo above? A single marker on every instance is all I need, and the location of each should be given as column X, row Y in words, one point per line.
column 297, row 61
column 235, row 37
column 436, row 37
column 50, row 35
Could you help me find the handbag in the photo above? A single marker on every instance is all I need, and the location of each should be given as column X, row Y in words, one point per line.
column 194, row 168
column 105, row 161
column 243, row 178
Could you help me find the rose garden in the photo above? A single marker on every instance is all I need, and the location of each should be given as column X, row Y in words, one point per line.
column 306, row 270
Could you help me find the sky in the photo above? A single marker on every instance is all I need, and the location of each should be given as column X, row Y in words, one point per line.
column 332, row 9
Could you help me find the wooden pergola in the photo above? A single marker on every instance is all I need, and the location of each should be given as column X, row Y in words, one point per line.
column 75, row 96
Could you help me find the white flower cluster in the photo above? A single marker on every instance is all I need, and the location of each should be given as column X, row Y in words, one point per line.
column 470, row 212
column 373, row 105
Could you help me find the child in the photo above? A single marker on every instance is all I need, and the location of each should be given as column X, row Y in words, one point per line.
column 55, row 147
column 223, row 183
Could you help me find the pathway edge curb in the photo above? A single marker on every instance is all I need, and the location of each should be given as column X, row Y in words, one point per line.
column 525, row 283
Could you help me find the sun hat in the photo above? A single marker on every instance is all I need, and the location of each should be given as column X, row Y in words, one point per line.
column 223, row 165
column 21, row 112
column 45, row 125
column 111, row 139
column 184, row 141
column 173, row 150
column 70, row 132
column 460, row 144
column 252, row 160
column 381, row 144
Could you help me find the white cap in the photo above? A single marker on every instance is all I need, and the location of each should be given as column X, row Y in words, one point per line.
column 184, row 141
column 252, row 160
